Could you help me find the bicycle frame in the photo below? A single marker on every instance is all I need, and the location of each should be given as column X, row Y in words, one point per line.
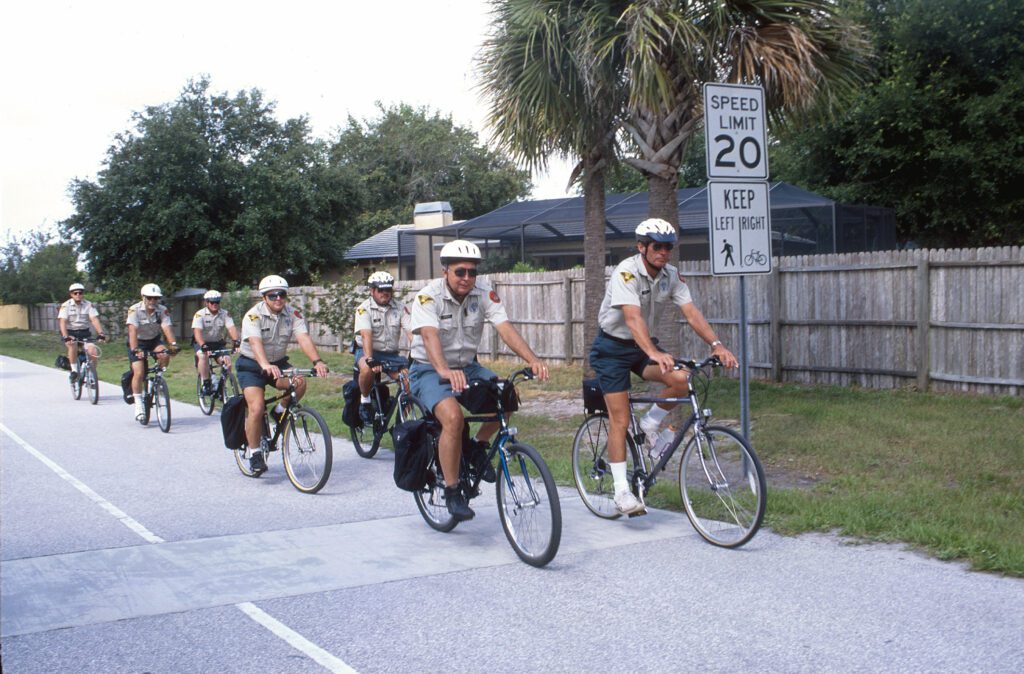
column 289, row 408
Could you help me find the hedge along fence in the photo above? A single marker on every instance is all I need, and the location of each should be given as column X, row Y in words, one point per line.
column 944, row 320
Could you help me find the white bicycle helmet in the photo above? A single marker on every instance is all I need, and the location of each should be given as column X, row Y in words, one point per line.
column 453, row 251
column 151, row 290
column 381, row 280
column 272, row 282
column 656, row 229
column 212, row 295
column 76, row 286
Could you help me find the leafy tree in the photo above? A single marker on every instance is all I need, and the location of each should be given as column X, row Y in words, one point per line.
column 551, row 93
column 409, row 155
column 937, row 136
column 36, row 270
column 803, row 52
column 210, row 189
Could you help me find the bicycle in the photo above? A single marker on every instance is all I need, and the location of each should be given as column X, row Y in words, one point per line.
column 84, row 372
column 531, row 516
column 155, row 393
column 306, row 446
column 366, row 439
column 225, row 386
column 721, row 480
column 754, row 257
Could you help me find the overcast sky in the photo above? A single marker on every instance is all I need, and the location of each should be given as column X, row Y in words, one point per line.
column 72, row 72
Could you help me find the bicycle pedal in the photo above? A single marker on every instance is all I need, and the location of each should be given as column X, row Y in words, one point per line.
column 638, row 514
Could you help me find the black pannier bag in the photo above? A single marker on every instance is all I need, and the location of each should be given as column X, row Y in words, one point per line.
column 232, row 422
column 62, row 363
column 126, row 387
column 350, row 412
column 415, row 442
column 593, row 397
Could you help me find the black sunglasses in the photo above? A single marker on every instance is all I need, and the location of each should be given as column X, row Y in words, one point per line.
column 661, row 246
column 213, row 301
column 149, row 297
column 76, row 292
column 276, row 296
column 462, row 272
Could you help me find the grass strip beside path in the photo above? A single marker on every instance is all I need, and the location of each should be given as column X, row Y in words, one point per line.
column 943, row 473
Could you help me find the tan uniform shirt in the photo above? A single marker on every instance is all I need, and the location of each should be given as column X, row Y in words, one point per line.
column 386, row 323
column 631, row 284
column 460, row 325
column 275, row 330
column 77, row 314
column 213, row 325
column 147, row 325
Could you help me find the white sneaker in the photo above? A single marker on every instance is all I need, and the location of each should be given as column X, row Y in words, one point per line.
column 650, row 428
column 628, row 504
column 139, row 412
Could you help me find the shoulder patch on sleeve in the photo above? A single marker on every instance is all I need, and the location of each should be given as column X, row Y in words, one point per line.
column 626, row 276
column 424, row 299
column 360, row 311
column 680, row 274
column 494, row 297
column 297, row 314
column 253, row 317
column 198, row 314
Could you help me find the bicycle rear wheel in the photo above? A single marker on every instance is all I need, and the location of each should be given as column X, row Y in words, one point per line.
column 93, row 383
column 591, row 468
column 723, row 487
column 429, row 500
column 243, row 454
column 528, row 505
column 206, row 402
column 308, row 454
column 162, row 402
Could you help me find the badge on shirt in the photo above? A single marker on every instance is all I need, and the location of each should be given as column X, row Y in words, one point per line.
column 663, row 285
column 474, row 305
column 626, row 276
column 254, row 317
column 424, row 298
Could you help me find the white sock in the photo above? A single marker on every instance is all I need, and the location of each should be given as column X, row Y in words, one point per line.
column 364, row 399
column 138, row 403
column 657, row 414
column 278, row 410
column 619, row 477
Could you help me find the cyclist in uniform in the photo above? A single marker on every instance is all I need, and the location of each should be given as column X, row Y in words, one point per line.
column 208, row 327
column 267, row 329
column 146, row 321
column 74, row 318
column 447, row 323
column 379, row 322
column 638, row 292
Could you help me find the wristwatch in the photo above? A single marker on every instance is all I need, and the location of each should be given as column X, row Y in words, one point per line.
column 715, row 343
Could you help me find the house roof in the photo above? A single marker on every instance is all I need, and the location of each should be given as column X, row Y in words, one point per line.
column 383, row 245
column 563, row 218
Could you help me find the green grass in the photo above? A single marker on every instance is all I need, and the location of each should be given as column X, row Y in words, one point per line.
column 943, row 473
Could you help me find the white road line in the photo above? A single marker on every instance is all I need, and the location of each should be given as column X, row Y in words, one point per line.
column 279, row 629
column 132, row 524
column 296, row 640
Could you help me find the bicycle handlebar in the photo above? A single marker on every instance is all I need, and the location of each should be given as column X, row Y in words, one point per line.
column 220, row 352
column 691, row 364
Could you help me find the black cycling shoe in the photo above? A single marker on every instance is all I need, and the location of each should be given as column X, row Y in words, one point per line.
column 478, row 458
column 257, row 464
column 457, row 505
column 366, row 413
column 207, row 388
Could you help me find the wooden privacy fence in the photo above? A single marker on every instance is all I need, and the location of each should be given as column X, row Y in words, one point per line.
column 944, row 320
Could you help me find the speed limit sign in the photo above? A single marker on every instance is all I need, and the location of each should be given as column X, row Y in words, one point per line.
column 734, row 127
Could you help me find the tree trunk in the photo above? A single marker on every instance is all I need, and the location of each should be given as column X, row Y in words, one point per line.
column 593, row 249
column 662, row 199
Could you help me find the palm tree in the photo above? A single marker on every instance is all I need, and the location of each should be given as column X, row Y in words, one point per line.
column 803, row 52
column 550, row 95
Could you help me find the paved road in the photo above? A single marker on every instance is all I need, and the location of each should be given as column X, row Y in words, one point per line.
column 123, row 549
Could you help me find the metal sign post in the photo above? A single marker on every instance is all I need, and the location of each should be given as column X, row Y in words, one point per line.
column 739, row 205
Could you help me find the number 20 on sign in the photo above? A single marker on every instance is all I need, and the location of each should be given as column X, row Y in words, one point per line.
column 734, row 119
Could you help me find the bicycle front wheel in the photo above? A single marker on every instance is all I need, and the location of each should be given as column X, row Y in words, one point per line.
column 206, row 401
column 76, row 383
column 308, row 455
column 531, row 514
column 723, row 487
column 93, row 383
column 162, row 402
column 591, row 468
column 366, row 439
